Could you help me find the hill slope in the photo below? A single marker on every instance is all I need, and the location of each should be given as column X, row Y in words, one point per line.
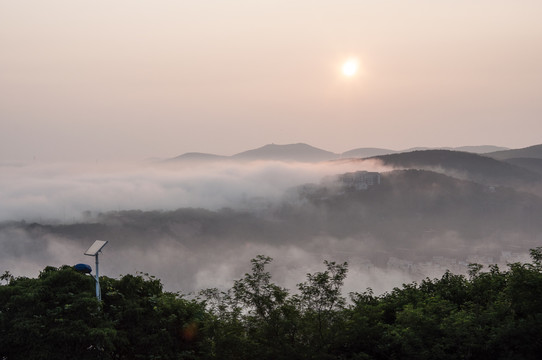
column 531, row 164
column 463, row 165
column 419, row 209
column 534, row 151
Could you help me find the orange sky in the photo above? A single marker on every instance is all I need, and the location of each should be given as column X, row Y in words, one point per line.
column 128, row 80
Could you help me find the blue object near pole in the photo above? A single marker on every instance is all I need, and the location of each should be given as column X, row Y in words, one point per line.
column 84, row 268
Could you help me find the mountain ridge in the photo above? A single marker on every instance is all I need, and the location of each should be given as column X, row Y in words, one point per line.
column 302, row 152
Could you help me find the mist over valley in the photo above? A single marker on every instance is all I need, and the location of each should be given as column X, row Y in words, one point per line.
column 195, row 221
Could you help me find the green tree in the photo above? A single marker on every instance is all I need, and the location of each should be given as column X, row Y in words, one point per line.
column 321, row 304
column 269, row 315
column 54, row 316
column 225, row 330
column 151, row 323
column 57, row 316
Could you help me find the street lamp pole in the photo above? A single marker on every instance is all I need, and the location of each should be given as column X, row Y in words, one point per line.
column 98, row 290
column 94, row 250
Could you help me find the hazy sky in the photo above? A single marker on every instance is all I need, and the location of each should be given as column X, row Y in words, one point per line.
column 127, row 80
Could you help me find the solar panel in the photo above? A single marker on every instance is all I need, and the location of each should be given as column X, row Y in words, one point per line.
column 95, row 248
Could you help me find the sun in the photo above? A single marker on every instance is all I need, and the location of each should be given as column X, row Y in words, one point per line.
column 350, row 67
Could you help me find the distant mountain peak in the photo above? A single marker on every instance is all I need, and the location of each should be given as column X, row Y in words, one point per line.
column 197, row 156
column 289, row 152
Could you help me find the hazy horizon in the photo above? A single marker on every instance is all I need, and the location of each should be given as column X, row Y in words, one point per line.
column 123, row 80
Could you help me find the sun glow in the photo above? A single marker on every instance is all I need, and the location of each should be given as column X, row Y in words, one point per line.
column 350, row 67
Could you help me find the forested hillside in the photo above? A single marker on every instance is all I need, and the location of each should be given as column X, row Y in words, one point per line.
column 463, row 165
column 491, row 314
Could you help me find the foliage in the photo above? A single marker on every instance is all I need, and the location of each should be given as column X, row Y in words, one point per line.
column 322, row 305
column 53, row 316
column 491, row 314
column 57, row 316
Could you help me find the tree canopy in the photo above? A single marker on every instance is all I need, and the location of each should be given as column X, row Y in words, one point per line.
column 493, row 314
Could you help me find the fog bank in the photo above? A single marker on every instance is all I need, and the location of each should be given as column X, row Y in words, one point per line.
column 63, row 191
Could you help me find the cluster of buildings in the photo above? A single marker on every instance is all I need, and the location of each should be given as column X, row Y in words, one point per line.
column 359, row 180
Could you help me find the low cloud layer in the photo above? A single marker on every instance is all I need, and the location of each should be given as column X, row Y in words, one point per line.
column 396, row 234
column 62, row 192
